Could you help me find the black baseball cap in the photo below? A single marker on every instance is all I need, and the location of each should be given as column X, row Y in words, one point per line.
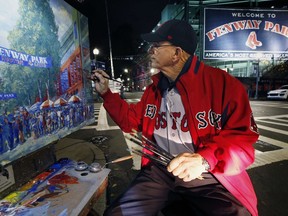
column 177, row 32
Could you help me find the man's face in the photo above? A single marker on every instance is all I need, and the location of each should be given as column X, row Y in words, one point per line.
column 161, row 55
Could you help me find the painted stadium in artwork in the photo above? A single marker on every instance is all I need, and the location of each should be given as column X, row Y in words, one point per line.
column 44, row 93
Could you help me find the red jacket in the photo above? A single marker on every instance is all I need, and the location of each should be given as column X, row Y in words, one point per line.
column 220, row 122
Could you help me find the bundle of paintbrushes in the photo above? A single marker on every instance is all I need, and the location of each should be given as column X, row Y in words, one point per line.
column 158, row 155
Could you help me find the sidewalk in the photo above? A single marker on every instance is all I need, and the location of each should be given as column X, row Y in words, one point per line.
column 270, row 183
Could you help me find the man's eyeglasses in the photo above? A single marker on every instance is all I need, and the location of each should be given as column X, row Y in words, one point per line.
column 156, row 46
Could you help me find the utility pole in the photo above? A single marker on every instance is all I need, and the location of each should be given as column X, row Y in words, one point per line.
column 109, row 38
column 257, row 79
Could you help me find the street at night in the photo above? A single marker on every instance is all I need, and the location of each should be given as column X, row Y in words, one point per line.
column 271, row 118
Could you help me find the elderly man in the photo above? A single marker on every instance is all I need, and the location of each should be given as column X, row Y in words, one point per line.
column 198, row 114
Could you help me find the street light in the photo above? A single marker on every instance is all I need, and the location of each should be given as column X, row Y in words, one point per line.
column 95, row 52
column 127, row 75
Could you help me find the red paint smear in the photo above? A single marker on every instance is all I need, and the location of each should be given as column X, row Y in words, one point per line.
column 63, row 178
column 40, row 177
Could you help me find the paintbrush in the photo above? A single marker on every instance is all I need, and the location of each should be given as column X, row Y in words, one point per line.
column 150, row 148
column 153, row 145
column 163, row 157
column 163, row 153
column 95, row 79
column 151, row 157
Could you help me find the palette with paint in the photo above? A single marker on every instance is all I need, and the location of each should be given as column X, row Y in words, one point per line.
column 50, row 192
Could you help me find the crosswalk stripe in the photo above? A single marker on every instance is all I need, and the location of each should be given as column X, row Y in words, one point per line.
column 272, row 117
column 263, row 158
column 280, row 120
column 269, row 105
column 273, row 141
column 272, row 129
column 273, row 123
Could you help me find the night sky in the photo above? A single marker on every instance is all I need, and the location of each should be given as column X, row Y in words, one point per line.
column 128, row 19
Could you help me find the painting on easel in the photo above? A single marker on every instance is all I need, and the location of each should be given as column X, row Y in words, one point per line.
column 44, row 55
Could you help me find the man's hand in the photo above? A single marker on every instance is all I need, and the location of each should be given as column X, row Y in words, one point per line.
column 187, row 166
column 102, row 85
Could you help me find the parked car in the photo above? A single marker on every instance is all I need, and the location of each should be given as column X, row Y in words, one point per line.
column 281, row 93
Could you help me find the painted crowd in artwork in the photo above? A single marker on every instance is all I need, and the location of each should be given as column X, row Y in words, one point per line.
column 41, row 120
